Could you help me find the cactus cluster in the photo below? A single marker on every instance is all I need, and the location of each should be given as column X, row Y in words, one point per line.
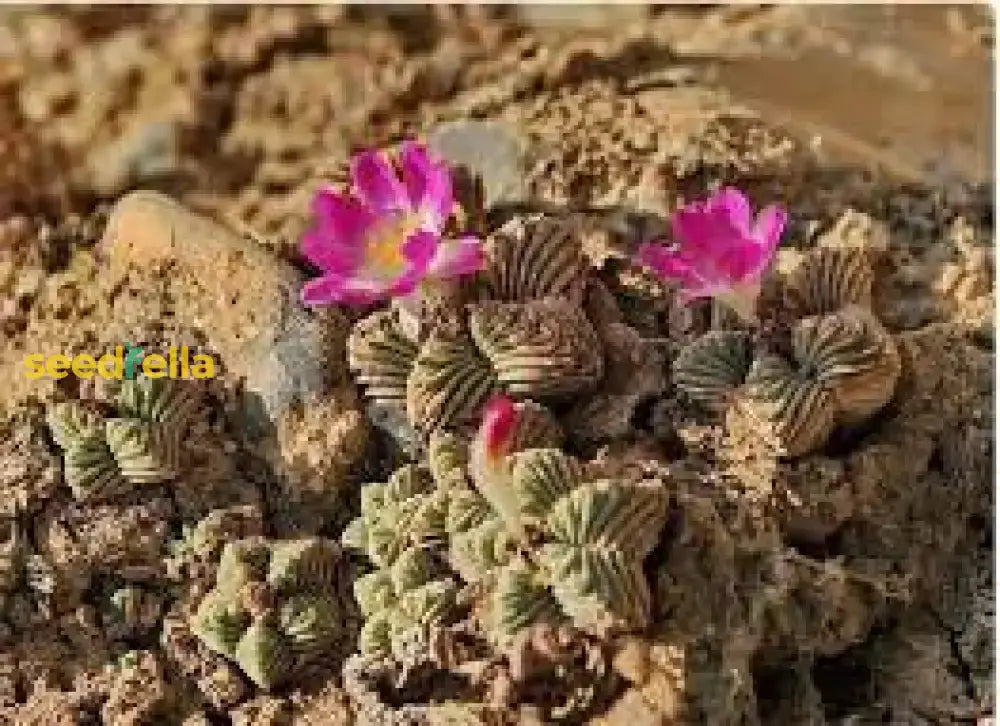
column 525, row 333
column 137, row 443
column 399, row 523
column 276, row 606
column 568, row 547
column 550, row 543
column 842, row 368
column 404, row 527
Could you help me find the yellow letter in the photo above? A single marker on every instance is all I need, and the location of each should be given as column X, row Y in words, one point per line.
column 58, row 366
column 203, row 366
column 35, row 364
column 117, row 364
column 154, row 366
column 83, row 366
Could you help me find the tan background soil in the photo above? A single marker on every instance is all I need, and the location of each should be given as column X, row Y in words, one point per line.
column 241, row 113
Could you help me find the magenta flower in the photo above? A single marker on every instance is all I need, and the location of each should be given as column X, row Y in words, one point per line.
column 384, row 238
column 720, row 250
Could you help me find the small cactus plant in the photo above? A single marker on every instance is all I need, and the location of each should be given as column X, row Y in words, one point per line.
column 710, row 368
column 528, row 336
column 588, row 540
column 399, row 523
column 842, row 367
column 534, row 257
column 276, row 606
column 830, row 279
column 138, row 444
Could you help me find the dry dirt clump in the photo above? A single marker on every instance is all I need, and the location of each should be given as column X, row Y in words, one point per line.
column 157, row 170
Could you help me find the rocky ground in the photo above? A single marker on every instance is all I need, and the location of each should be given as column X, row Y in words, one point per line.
column 850, row 586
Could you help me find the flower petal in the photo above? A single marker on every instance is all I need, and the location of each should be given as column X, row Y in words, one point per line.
column 341, row 216
column 668, row 264
column 770, row 224
column 458, row 257
column 696, row 230
column 376, row 184
column 332, row 289
column 428, row 184
column 734, row 206
column 742, row 260
column 419, row 249
column 329, row 254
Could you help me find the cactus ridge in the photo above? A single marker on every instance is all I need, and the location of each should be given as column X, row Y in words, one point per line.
column 542, row 477
column 140, row 444
column 521, row 599
column 538, row 348
column 844, row 369
column 275, row 607
column 449, row 383
column 381, row 357
column 534, row 257
column 712, row 367
column 829, row 279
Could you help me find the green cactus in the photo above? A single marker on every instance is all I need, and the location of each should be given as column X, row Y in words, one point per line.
column 591, row 538
column 577, row 553
column 400, row 522
column 448, row 384
column 160, row 400
column 404, row 511
column 534, row 257
column 540, row 347
column 828, row 280
column 528, row 336
column 710, row 369
column 382, row 357
column 844, row 368
column 106, row 456
column 521, row 599
column 264, row 654
column 275, row 608
column 146, row 453
column 479, row 550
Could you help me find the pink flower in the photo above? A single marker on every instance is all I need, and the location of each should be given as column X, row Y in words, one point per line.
column 489, row 464
column 498, row 426
column 384, row 238
column 720, row 252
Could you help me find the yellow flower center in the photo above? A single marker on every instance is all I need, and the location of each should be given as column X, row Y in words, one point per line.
column 385, row 246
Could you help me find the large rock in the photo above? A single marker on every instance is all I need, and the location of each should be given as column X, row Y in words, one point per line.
column 247, row 303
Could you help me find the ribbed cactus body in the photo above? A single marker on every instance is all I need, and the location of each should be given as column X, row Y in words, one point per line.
column 587, row 543
column 521, row 599
column 857, row 358
column 90, row 469
column 146, row 452
column 798, row 408
column 712, row 367
column 828, row 280
column 381, row 357
column 525, row 333
column 400, row 521
column 844, row 368
column 448, row 384
column 160, row 400
column 477, row 551
column 107, row 455
column 275, row 607
column 534, row 257
column 538, row 348
column 264, row 654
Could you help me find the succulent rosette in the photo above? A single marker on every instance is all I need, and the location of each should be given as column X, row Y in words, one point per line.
column 721, row 250
column 385, row 236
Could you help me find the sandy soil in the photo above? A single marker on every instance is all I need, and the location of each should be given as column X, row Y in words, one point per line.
column 850, row 586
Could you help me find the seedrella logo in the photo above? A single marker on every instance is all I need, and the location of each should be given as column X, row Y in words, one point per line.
column 125, row 362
